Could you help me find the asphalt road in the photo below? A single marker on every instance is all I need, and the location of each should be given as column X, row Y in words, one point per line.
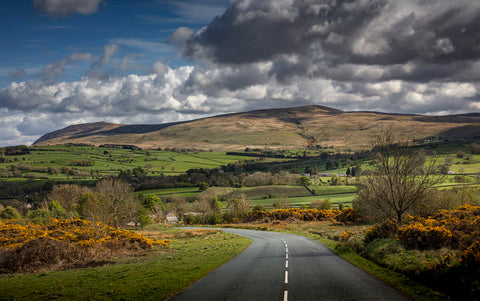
column 279, row 266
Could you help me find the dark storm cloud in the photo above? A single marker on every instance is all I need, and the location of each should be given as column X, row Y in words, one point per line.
column 411, row 40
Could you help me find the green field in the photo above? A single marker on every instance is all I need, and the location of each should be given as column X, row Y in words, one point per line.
column 295, row 196
column 85, row 164
column 345, row 199
column 108, row 160
column 67, row 163
column 185, row 192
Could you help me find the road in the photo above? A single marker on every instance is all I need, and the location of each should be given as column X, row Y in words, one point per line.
column 279, row 266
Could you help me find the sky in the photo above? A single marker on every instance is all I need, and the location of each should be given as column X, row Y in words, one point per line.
column 65, row 62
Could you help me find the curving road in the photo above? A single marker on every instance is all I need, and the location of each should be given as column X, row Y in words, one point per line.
column 279, row 266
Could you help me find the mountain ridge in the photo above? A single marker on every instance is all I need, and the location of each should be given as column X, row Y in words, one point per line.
column 310, row 126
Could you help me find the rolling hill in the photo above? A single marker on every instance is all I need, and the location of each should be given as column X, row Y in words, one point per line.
column 287, row 128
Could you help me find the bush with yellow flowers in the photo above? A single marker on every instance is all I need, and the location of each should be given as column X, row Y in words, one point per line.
column 292, row 214
column 26, row 247
column 441, row 251
column 424, row 236
column 387, row 229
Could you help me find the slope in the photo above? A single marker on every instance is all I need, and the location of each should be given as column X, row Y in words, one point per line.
column 287, row 128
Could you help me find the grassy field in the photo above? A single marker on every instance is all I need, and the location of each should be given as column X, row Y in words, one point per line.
column 191, row 255
column 185, row 192
column 108, row 160
column 58, row 163
column 267, row 195
column 84, row 164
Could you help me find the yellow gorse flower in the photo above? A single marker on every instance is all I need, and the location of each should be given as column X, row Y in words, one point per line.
column 83, row 233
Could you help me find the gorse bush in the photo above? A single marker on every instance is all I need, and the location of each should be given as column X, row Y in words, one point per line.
column 458, row 229
column 348, row 217
column 471, row 256
column 422, row 236
column 293, row 214
column 441, row 251
column 28, row 247
column 387, row 229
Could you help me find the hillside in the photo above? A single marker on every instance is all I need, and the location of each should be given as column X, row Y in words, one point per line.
column 289, row 128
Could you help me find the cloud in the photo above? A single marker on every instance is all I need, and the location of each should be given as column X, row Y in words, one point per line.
column 328, row 36
column 411, row 56
column 96, row 68
column 180, row 36
column 198, row 11
column 156, row 47
column 194, row 92
column 18, row 73
column 55, row 8
column 52, row 73
column 187, row 12
column 158, row 68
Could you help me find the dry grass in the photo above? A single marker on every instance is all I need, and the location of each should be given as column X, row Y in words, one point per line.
column 290, row 128
column 200, row 232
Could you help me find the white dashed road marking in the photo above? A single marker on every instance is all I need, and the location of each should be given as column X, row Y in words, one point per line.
column 285, row 293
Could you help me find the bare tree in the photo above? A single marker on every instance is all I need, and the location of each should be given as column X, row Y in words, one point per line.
column 68, row 195
column 238, row 207
column 204, row 208
column 403, row 178
column 119, row 199
column 95, row 210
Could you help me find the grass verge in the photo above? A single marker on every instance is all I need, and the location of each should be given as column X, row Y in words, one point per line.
column 398, row 281
column 191, row 256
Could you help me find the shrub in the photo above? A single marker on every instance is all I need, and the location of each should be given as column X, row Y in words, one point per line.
column 348, row 217
column 190, row 219
column 387, row 229
column 346, row 235
column 321, row 204
column 471, row 256
column 57, row 210
column 39, row 216
column 38, row 253
column 227, row 217
column 150, row 200
column 214, row 219
column 421, row 236
column 30, row 247
column 258, row 208
column 9, row 213
column 279, row 204
column 292, row 214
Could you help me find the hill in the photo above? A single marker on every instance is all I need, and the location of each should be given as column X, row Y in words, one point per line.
column 287, row 128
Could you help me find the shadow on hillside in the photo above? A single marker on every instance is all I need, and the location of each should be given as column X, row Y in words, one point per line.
column 129, row 129
column 463, row 118
column 468, row 131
